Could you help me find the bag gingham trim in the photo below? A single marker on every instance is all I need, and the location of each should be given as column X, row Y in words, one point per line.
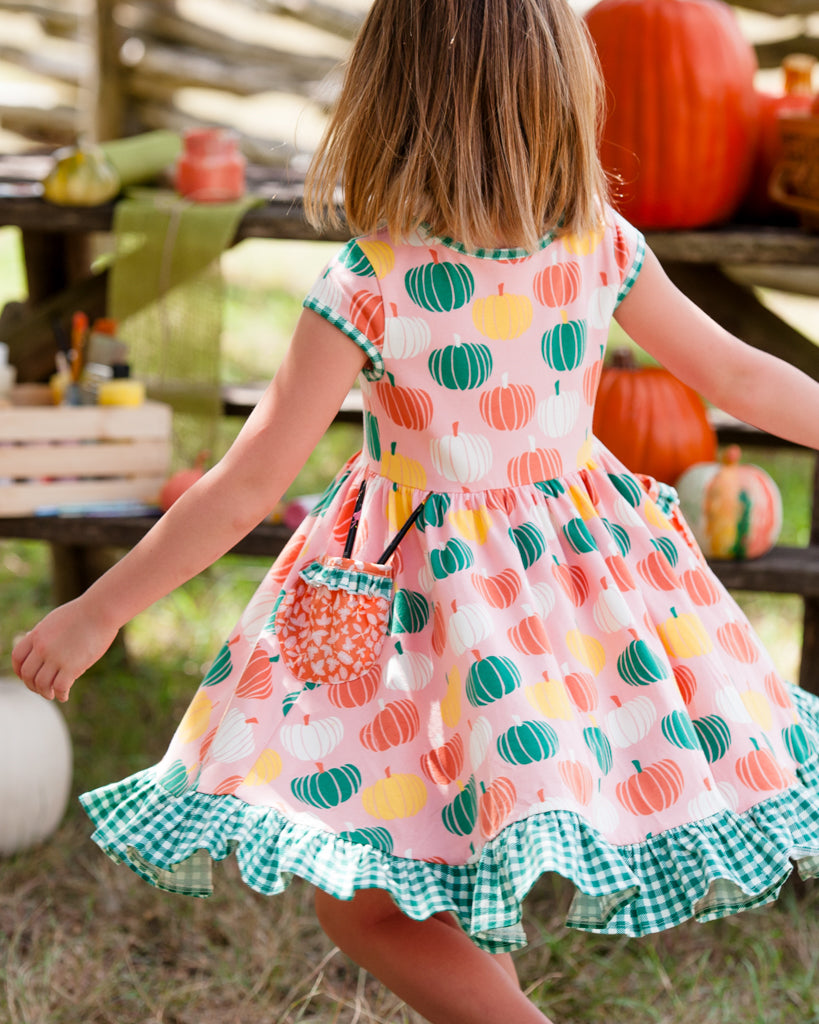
column 703, row 870
column 351, row 575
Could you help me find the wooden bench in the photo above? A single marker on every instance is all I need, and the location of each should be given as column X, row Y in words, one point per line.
column 60, row 281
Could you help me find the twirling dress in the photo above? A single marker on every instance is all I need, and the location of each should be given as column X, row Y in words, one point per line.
column 544, row 677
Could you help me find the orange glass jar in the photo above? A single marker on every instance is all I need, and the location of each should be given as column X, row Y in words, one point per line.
column 210, row 169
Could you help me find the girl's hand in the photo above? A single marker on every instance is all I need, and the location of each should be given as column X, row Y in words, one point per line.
column 60, row 649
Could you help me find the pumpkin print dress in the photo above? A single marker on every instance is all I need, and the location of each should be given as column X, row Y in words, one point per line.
column 543, row 676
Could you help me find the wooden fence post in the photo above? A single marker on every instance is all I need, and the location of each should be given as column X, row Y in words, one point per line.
column 107, row 86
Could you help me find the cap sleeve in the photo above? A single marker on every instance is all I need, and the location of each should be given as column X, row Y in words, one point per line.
column 348, row 295
column 629, row 251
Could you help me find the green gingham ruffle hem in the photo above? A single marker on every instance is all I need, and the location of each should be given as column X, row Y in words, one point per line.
column 704, row 869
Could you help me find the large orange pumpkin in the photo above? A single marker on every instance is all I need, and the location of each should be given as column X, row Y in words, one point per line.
column 682, row 112
column 652, row 422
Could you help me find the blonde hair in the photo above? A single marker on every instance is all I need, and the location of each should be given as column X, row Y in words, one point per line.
column 478, row 118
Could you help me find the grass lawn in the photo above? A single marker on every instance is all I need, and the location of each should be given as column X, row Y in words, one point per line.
column 84, row 942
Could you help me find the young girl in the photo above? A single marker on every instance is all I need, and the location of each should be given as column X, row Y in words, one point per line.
column 491, row 651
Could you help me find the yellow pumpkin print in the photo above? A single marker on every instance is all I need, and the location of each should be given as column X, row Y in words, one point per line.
column 581, row 501
column 502, row 317
column 472, row 523
column 405, row 472
column 399, row 507
column 451, row 704
column 758, row 707
column 587, row 650
column 380, row 255
column 268, row 766
column 656, row 516
column 684, row 636
column 196, row 718
column 583, row 245
column 396, row 796
column 550, row 698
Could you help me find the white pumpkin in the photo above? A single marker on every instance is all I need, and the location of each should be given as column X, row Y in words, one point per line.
column 611, row 611
column 312, row 739
column 480, row 737
column 602, row 304
column 604, row 814
column 631, row 722
column 625, row 514
column 328, row 293
column 233, row 739
column 710, row 801
column 257, row 613
column 37, row 761
column 557, row 415
column 468, row 625
column 408, row 671
column 731, row 706
column 541, row 517
column 544, row 599
column 405, row 336
column 463, row 458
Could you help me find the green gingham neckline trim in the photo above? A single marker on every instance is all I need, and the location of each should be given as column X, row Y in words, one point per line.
column 170, row 838
column 427, row 233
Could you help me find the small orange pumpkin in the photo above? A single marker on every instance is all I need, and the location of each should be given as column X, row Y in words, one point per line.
column 396, row 723
column 650, row 421
column 495, row 804
column 443, row 764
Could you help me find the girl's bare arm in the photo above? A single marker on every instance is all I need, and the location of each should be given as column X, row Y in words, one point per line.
column 207, row 520
column 752, row 385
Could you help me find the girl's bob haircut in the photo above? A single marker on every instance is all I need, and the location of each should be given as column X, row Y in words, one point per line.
column 478, row 119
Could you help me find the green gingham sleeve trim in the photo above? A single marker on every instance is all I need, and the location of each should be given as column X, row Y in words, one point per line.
column 702, row 870
column 634, row 269
column 375, row 371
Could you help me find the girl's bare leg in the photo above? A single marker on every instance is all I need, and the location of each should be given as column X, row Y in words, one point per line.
column 432, row 965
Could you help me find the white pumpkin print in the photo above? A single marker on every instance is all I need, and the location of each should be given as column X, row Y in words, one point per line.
column 410, row 671
column 557, row 415
column 602, row 304
column 328, row 292
column 256, row 615
column 630, row 722
column 467, row 626
column 480, row 738
column 543, row 599
column 729, row 795
column 313, row 738
column 426, row 581
column 605, row 815
column 462, row 458
column 626, row 515
column 709, row 801
column 731, row 706
column 611, row 611
column 405, row 336
column 233, row 739
column 542, row 517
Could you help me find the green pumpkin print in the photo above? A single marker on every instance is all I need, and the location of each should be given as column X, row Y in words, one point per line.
column 461, row 814
column 797, row 742
column 564, row 346
column 530, row 542
column 527, row 742
column 330, row 492
column 489, row 679
column 454, row 556
column 638, row 665
column 175, row 779
column 461, row 367
column 410, row 612
column 551, row 488
column 668, row 548
column 679, row 730
column 378, row 837
column 220, row 669
column 714, row 736
column 327, row 788
column 619, row 535
column 435, row 509
column 372, row 437
column 352, row 257
column 598, row 743
column 628, row 488
column 439, row 286
column 577, row 534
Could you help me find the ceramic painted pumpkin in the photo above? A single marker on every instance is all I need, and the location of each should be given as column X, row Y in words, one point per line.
column 681, row 129
column 652, row 422
column 734, row 510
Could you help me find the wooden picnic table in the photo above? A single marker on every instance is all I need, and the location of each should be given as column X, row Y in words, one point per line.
column 55, row 241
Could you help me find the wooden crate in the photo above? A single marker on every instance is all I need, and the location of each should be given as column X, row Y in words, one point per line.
column 54, row 457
